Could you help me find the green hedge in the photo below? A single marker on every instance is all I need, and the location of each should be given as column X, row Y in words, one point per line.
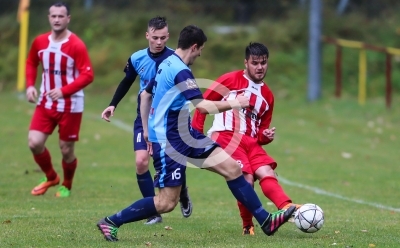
column 112, row 36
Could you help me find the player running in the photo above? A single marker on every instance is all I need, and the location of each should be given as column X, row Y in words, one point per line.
column 144, row 63
column 66, row 71
column 243, row 133
column 166, row 121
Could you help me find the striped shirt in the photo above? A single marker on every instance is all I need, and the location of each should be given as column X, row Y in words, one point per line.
column 250, row 121
column 65, row 65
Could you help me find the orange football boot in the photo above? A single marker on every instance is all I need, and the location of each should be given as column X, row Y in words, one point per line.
column 44, row 185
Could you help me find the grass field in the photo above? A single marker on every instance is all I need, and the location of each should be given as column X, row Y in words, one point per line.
column 335, row 153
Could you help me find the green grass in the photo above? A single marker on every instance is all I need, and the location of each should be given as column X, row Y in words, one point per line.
column 311, row 141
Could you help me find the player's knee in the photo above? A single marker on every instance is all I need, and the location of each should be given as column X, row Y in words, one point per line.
column 249, row 178
column 67, row 150
column 265, row 171
column 142, row 165
column 35, row 145
column 165, row 205
column 230, row 169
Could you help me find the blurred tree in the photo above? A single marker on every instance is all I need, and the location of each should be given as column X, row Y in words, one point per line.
column 244, row 9
column 342, row 6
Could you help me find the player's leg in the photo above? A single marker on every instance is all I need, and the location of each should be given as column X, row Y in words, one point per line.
column 69, row 127
column 40, row 128
column 145, row 180
column 143, row 175
column 220, row 162
column 184, row 200
column 169, row 180
column 234, row 145
column 164, row 202
column 263, row 166
column 245, row 214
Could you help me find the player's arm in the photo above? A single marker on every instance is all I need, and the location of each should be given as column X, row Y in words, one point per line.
column 265, row 134
column 84, row 66
column 32, row 62
column 125, row 84
column 145, row 105
column 189, row 88
column 214, row 93
column 122, row 89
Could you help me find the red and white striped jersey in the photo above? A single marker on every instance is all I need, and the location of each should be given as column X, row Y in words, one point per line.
column 65, row 65
column 251, row 121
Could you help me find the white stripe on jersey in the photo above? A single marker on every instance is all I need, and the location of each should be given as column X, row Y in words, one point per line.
column 71, row 73
column 248, row 125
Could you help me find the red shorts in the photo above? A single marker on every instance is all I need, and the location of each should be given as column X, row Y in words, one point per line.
column 245, row 150
column 46, row 120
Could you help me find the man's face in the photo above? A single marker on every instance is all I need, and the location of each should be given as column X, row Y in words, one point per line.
column 58, row 18
column 256, row 67
column 157, row 39
column 196, row 52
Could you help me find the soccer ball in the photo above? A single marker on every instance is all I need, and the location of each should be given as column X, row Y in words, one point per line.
column 309, row 218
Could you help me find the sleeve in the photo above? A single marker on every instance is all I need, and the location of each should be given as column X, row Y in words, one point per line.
column 265, row 123
column 187, row 85
column 215, row 93
column 32, row 63
column 130, row 71
column 150, row 85
column 84, row 66
column 125, row 84
column 121, row 91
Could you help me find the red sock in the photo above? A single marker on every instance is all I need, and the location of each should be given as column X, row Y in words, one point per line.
column 273, row 191
column 44, row 162
column 69, row 171
column 247, row 216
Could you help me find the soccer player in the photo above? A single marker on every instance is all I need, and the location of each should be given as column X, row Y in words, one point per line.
column 144, row 63
column 243, row 133
column 166, row 123
column 66, row 70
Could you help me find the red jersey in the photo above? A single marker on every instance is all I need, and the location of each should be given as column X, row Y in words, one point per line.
column 65, row 65
column 251, row 121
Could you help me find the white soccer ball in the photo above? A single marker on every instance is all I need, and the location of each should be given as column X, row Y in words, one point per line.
column 309, row 218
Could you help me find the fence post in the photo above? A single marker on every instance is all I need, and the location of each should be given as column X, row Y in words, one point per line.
column 338, row 89
column 388, row 80
column 362, row 80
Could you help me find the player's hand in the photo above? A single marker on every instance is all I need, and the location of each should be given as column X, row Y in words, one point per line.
column 149, row 144
column 243, row 101
column 107, row 113
column 150, row 148
column 54, row 94
column 31, row 94
column 269, row 133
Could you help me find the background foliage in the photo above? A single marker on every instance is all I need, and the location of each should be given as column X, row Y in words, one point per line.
column 113, row 30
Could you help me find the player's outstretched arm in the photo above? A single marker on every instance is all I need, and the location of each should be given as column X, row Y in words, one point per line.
column 214, row 107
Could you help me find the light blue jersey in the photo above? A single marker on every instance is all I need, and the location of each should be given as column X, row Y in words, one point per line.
column 173, row 88
column 174, row 141
column 145, row 64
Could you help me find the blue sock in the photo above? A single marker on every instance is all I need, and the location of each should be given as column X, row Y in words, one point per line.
column 245, row 194
column 146, row 185
column 139, row 210
column 184, row 183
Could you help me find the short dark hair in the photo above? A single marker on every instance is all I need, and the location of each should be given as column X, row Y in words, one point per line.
column 61, row 4
column 191, row 35
column 157, row 23
column 256, row 49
